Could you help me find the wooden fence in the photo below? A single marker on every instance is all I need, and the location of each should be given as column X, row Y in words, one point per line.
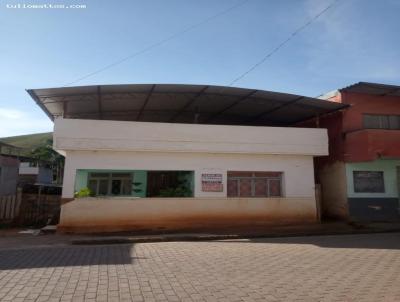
column 39, row 209
column 10, row 206
column 29, row 209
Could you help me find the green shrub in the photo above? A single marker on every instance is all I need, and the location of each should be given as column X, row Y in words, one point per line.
column 84, row 192
column 176, row 192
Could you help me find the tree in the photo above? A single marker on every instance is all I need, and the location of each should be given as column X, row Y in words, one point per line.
column 45, row 155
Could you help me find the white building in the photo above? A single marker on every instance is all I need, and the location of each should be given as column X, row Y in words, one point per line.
column 34, row 172
column 184, row 156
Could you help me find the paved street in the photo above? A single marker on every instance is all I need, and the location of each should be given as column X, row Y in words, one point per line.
column 330, row 268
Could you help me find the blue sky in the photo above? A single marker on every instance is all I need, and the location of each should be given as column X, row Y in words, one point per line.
column 357, row 40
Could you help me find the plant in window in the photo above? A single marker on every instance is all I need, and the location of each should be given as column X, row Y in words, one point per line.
column 84, row 192
column 176, row 192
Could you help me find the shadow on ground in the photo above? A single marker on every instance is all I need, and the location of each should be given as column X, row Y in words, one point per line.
column 67, row 256
column 114, row 254
column 387, row 241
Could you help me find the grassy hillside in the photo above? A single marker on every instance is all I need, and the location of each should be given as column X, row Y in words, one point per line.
column 29, row 141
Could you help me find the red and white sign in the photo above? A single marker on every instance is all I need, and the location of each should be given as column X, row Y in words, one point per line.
column 211, row 182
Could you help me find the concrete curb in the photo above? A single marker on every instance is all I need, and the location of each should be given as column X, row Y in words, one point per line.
column 213, row 237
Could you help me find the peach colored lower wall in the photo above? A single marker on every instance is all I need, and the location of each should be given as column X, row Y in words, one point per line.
column 87, row 215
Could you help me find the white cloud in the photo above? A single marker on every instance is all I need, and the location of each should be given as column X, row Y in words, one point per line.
column 16, row 122
column 10, row 114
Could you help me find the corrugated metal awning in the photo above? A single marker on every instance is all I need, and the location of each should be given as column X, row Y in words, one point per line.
column 175, row 103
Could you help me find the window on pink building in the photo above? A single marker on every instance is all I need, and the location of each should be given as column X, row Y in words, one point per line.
column 378, row 121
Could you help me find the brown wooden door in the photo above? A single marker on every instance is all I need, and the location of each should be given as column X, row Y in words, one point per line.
column 160, row 180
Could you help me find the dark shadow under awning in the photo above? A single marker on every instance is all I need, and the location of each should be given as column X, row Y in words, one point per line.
column 176, row 103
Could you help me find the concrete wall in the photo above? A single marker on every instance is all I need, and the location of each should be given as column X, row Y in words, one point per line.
column 333, row 122
column 132, row 146
column 375, row 206
column 75, row 134
column 339, row 200
column 298, row 173
column 369, row 144
column 334, row 191
column 114, row 145
column 354, row 148
column 389, row 176
column 120, row 214
column 369, row 104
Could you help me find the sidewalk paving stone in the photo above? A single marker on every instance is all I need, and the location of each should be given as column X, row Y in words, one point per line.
column 358, row 267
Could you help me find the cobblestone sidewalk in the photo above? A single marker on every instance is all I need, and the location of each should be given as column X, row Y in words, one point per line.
column 325, row 268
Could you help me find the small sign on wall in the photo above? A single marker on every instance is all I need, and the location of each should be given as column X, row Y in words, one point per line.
column 211, row 182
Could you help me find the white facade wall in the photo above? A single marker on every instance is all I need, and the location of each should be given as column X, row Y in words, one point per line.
column 113, row 145
column 26, row 169
column 96, row 144
column 298, row 173
column 75, row 134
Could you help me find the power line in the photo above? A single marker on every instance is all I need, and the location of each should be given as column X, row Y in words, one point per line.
column 271, row 53
column 154, row 45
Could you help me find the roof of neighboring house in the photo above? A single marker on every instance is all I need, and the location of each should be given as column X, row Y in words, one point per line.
column 373, row 88
column 18, row 152
column 2, row 144
column 8, row 149
column 177, row 103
